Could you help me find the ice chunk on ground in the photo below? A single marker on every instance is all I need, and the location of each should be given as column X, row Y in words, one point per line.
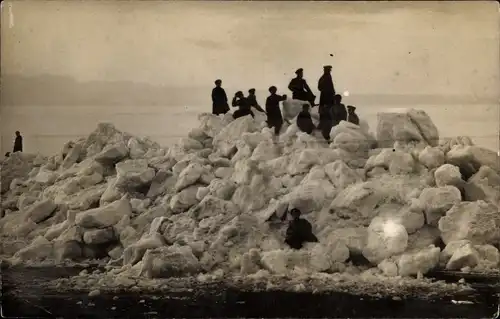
column 105, row 216
column 385, row 239
column 477, row 221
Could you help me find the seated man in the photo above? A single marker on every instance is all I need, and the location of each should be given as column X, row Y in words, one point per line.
column 243, row 105
column 351, row 115
column 339, row 111
column 304, row 120
column 299, row 231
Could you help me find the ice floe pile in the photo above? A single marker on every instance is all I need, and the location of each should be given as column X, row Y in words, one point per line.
column 403, row 202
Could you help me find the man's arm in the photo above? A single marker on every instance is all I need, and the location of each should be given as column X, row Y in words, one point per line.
column 291, row 85
column 225, row 95
column 258, row 107
column 235, row 103
column 307, row 87
column 214, row 96
column 320, row 84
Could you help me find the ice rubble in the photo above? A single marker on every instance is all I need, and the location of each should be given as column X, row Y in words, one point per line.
column 404, row 201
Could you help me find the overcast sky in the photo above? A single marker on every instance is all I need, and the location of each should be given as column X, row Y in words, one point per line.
column 414, row 48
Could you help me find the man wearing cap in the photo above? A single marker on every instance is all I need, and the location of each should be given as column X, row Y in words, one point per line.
column 300, row 89
column 252, row 100
column 274, row 116
column 219, row 99
column 325, row 86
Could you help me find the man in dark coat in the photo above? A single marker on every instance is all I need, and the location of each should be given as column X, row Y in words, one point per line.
column 339, row 111
column 351, row 115
column 244, row 109
column 326, row 121
column 219, row 99
column 252, row 100
column 18, row 143
column 325, row 86
column 299, row 231
column 274, row 116
column 300, row 89
column 304, row 120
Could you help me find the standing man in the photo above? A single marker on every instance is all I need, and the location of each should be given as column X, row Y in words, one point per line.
column 274, row 116
column 252, row 100
column 300, row 89
column 325, row 86
column 219, row 99
column 18, row 143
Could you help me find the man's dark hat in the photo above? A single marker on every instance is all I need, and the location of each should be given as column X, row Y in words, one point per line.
column 350, row 107
column 327, row 67
column 218, row 81
column 299, row 70
column 238, row 93
column 272, row 88
column 252, row 90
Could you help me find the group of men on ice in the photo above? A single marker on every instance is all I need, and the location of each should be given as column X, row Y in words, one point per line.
column 331, row 110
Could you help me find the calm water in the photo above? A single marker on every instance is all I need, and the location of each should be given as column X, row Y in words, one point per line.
column 47, row 128
column 24, row 296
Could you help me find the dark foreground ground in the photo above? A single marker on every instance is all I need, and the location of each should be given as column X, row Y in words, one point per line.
column 24, row 296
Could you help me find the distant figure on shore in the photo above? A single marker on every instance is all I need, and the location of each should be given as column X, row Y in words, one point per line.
column 274, row 116
column 304, row 120
column 244, row 109
column 219, row 99
column 18, row 143
column 300, row 89
column 351, row 115
column 252, row 100
column 325, row 86
column 339, row 111
column 299, row 231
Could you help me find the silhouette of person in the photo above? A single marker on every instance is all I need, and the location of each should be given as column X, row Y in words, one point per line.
column 7, row 154
column 326, row 121
column 339, row 111
column 274, row 116
column 300, row 89
column 252, row 100
column 351, row 115
column 244, row 109
column 325, row 86
column 304, row 120
column 219, row 99
column 299, row 231
column 18, row 143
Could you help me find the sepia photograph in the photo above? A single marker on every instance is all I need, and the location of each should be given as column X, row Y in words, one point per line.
column 249, row 159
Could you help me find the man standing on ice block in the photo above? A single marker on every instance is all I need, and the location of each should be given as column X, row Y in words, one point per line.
column 325, row 86
column 252, row 100
column 300, row 89
column 18, row 143
column 299, row 231
column 274, row 116
column 219, row 99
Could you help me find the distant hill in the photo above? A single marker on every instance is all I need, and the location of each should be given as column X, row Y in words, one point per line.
column 53, row 90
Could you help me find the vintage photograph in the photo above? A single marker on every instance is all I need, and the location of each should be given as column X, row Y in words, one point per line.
column 250, row 159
